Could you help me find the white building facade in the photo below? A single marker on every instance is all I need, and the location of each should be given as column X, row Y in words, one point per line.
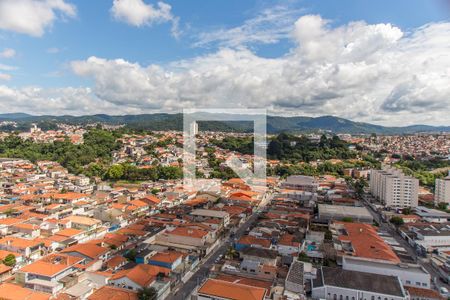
column 393, row 188
column 442, row 190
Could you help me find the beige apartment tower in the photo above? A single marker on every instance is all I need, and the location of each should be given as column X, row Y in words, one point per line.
column 393, row 188
column 442, row 190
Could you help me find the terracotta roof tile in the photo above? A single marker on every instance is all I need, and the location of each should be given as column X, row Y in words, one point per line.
column 366, row 242
column 234, row 291
column 113, row 293
column 9, row 291
column 51, row 264
column 90, row 250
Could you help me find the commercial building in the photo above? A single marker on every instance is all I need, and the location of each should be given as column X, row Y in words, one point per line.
column 432, row 215
column 409, row 274
column 361, row 240
column 428, row 237
column 206, row 214
column 335, row 283
column 338, row 213
column 393, row 188
column 300, row 182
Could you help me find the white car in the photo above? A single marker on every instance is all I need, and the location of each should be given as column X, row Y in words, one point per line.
column 443, row 290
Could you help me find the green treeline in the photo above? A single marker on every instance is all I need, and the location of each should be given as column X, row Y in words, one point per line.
column 242, row 145
column 288, row 147
column 97, row 148
column 422, row 169
column 132, row 173
column 294, row 148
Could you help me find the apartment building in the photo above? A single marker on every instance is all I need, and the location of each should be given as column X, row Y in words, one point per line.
column 393, row 188
column 442, row 190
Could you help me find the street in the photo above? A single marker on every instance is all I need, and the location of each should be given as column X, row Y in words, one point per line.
column 202, row 272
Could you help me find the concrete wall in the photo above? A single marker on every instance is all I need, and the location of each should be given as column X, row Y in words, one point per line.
column 337, row 293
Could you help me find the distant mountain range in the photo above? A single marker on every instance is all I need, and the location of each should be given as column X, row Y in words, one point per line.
column 275, row 124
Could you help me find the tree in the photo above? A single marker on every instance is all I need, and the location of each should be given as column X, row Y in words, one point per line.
column 10, row 260
column 359, row 186
column 95, row 170
column 147, row 294
column 115, row 172
column 396, row 220
column 303, row 257
column 442, row 206
column 406, row 211
column 232, row 253
column 275, row 149
column 131, row 255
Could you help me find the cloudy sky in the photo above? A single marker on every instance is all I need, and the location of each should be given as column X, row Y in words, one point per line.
column 385, row 62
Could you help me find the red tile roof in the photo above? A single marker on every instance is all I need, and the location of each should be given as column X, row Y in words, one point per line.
column 9, row 291
column 234, row 291
column 113, row 293
column 366, row 242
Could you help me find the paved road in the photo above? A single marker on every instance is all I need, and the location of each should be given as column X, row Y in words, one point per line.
column 426, row 265
column 203, row 271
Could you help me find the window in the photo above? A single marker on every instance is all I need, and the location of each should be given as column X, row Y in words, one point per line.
column 408, row 282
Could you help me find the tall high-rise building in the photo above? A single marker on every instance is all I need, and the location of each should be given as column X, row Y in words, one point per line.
column 393, row 188
column 442, row 190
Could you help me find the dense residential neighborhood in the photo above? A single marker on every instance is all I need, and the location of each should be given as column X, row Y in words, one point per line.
column 352, row 232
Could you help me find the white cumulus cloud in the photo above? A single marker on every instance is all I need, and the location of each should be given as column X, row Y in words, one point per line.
column 67, row 100
column 33, row 17
column 138, row 13
column 366, row 72
column 8, row 53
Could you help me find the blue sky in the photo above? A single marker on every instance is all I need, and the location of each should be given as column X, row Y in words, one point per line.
column 182, row 38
